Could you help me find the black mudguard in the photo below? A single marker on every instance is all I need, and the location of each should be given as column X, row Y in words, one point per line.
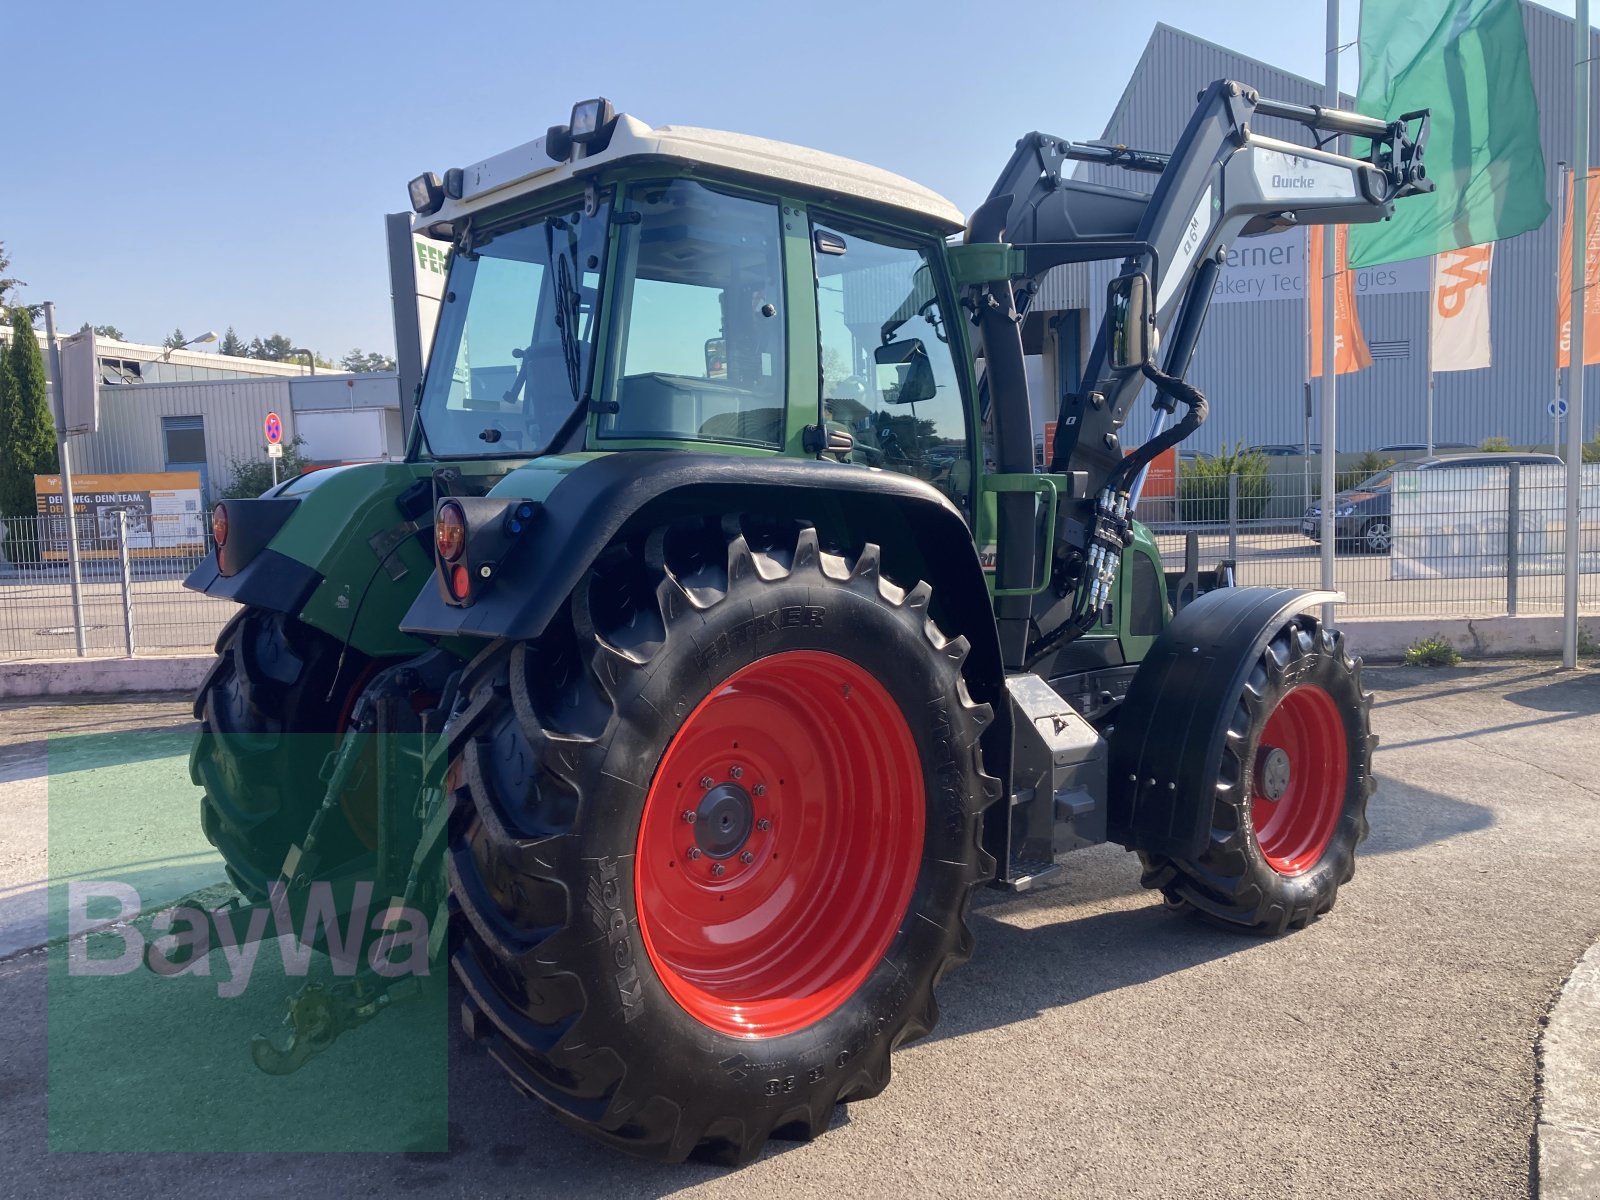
column 922, row 536
column 1171, row 726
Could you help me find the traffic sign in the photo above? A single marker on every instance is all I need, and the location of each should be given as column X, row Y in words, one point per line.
column 274, row 428
column 274, row 450
column 1557, row 408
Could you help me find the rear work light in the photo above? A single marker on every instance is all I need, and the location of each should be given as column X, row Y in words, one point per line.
column 219, row 525
column 450, row 532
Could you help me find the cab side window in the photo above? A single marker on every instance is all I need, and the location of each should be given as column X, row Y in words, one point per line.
column 888, row 376
column 701, row 320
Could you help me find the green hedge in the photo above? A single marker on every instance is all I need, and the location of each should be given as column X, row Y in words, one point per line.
column 1203, row 485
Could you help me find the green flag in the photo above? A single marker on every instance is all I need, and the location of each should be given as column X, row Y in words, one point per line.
column 1467, row 61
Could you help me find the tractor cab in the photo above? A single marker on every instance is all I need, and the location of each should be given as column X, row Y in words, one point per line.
column 684, row 288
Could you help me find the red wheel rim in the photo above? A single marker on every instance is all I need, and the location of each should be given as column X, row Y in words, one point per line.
column 770, row 909
column 1299, row 781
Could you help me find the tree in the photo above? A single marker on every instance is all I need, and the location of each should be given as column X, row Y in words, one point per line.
column 105, row 331
column 249, row 477
column 175, row 340
column 27, row 433
column 9, row 284
column 233, row 344
column 358, row 360
column 276, row 348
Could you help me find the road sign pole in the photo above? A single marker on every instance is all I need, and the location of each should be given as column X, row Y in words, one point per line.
column 1580, row 301
column 68, row 502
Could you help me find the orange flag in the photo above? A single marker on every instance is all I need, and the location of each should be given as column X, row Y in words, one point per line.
column 1591, row 294
column 1350, row 345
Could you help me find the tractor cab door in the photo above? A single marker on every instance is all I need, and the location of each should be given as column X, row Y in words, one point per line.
column 891, row 360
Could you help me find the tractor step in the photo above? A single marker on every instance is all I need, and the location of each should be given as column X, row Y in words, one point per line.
column 1023, row 874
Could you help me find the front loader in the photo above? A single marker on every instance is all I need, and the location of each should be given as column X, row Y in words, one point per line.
column 753, row 640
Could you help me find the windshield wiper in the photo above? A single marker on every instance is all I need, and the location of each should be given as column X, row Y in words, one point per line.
column 568, row 300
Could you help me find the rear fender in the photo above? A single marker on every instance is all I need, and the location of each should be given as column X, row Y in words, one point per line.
column 333, row 549
column 586, row 501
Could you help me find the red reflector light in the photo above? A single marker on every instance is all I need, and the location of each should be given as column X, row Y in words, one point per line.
column 450, row 531
column 460, row 582
column 219, row 525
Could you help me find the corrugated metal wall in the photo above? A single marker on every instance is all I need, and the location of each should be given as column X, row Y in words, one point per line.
column 1251, row 357
column 130, row 435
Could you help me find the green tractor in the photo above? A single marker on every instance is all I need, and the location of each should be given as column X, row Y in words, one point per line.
column 735, row 635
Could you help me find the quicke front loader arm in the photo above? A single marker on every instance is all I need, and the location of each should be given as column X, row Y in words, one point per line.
column 1222, row 181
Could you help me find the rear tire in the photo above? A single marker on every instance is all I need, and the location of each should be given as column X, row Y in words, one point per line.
column 816, row 723
column 267, row 721
column 1291, row 781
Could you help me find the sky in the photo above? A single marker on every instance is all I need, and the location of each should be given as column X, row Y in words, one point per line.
column 200, row 165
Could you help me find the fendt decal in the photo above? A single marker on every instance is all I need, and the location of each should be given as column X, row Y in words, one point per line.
column 605, row 907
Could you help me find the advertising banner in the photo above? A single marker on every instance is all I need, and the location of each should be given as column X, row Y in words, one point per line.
column 1458, row 318
column 163, row 510
column 1350, row 351
column 1273, row 267
column 1453, row 524
column 1591, row 292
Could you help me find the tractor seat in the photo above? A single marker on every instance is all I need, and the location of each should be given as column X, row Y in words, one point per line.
column 745, row 425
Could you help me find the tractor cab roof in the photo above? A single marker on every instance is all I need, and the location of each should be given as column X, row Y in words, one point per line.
column 528, row 168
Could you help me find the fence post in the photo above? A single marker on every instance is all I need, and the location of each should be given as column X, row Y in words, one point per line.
column 1233, row 517
column 1513, row 535
column 127, row 580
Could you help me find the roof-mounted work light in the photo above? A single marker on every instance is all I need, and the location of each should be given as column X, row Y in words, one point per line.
column 427, row 194
column 589, row 119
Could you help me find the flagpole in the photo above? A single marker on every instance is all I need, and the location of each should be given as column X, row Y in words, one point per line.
column 1433, row 292
column 1561, row 216
column 1329, row 365
column 1580, row 280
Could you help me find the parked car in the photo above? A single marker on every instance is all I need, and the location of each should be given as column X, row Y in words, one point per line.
column 1421, row 448
column 1362, row 513
column 1284, row 450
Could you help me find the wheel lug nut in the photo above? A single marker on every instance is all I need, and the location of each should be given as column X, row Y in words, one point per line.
column 763, row 824
column 693, row 852
column 718, row 869
column 747, row 857
column 706, row 782
column 760, row 789
column 689, row 815
column 736, row 772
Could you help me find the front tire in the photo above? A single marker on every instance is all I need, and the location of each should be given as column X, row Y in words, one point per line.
column 675, row 986
column 1286, row 791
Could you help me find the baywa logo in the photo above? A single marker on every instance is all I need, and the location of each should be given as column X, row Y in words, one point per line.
column 186, row 936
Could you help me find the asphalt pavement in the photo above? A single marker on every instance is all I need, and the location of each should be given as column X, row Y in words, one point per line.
column 1095, row 1046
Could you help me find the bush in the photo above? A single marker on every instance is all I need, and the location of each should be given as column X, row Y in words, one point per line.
column 1435, row 651
column 1591, row 449
column 1203, row 485
column 1494, row 445
column 249, row 477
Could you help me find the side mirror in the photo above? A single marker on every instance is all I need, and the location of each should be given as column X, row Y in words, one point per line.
column 905, row 373
column 1128, row 306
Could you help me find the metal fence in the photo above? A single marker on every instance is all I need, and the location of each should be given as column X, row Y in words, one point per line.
column 1473, row 542
column 1439, row 543
column 132, row 596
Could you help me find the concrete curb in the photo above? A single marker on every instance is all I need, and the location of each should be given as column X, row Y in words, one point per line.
column 1386, row 638
column 1568, row 1131
column 102, row 676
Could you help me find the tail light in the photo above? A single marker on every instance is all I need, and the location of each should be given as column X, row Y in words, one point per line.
column 219, row 525
column 450, row 533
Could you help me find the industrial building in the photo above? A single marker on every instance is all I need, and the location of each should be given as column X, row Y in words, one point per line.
column 164, row 410
column 1251, row 359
